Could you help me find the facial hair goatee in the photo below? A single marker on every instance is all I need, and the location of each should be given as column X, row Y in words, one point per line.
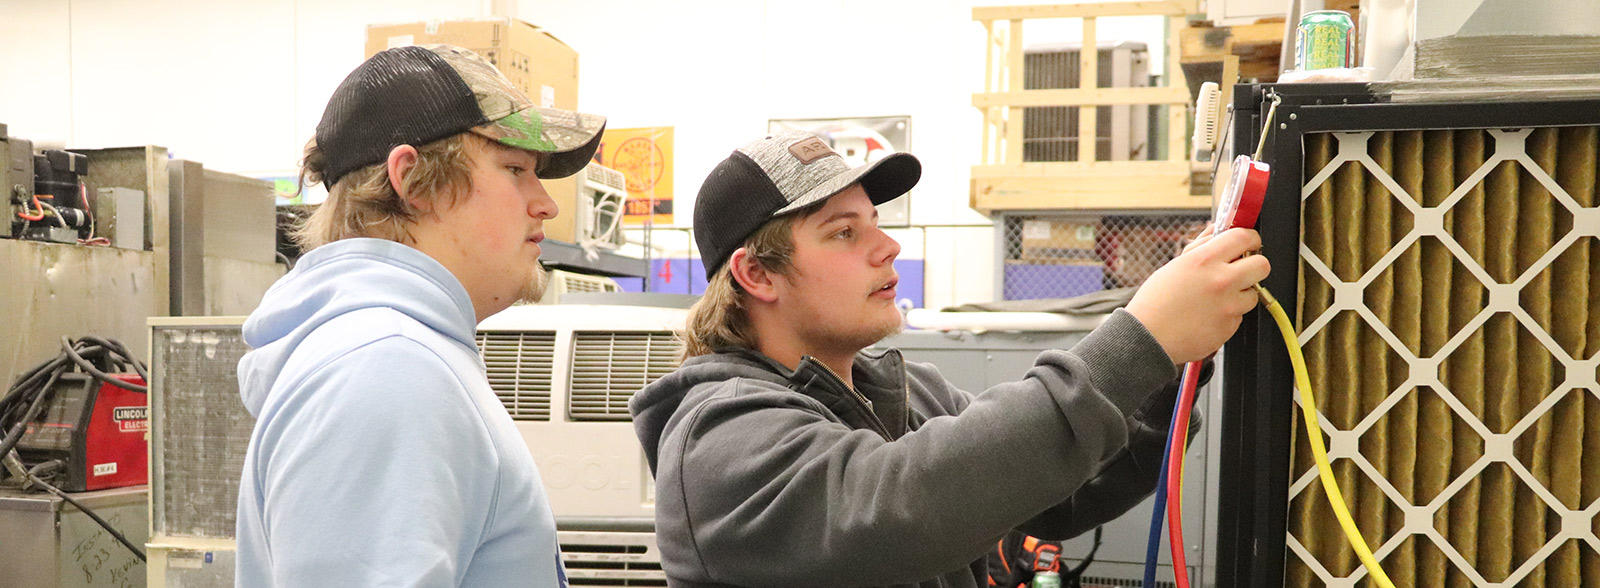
column 533, row 290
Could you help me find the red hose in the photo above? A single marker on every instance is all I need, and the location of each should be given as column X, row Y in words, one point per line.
column 1180, row 438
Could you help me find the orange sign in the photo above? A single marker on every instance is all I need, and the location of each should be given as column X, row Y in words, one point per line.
column 644, row 156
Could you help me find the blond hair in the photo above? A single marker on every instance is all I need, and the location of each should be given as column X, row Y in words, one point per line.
column 364, row 203
column 721, row 319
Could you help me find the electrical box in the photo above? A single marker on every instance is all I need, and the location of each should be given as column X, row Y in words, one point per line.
column 119, row 217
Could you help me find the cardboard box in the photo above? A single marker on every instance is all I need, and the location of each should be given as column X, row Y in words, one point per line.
column 1059, row 240
column 535, row 61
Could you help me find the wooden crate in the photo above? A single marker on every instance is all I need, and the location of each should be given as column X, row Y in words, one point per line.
column 1003, row 181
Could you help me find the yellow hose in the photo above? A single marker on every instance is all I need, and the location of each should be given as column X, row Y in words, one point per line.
column 1308, row 405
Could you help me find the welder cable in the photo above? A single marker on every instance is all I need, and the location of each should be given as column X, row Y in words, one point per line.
column 1179, row 440
column 1308, row 406
column 117, row 353
column 37, row 481
column 123, row 357
column 1153, row 548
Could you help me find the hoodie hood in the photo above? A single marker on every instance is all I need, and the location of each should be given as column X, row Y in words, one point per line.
column 653, row 406
column 338, row 278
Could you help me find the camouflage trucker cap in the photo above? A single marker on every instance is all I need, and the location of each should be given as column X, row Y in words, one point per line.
column 415, row 95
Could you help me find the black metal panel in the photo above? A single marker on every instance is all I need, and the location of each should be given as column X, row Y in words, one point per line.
column 1258, row 382
column 564, row 255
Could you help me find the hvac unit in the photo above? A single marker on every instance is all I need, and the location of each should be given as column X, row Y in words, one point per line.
column 602, row 192
column 199, row 431
column 565, row 282
column 1050, row 133
column 566, row 374
column 1443, row 263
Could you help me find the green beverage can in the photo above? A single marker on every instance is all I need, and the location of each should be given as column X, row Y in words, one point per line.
column 1046, row 580
column 1324, row 39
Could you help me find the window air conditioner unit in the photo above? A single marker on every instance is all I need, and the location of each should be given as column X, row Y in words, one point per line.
column 566, row 373
column 564, row 282
column 602, row 194
column 1050, row 133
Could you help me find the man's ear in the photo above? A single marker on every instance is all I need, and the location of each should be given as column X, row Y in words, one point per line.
column 401, row 160
column 751, row 276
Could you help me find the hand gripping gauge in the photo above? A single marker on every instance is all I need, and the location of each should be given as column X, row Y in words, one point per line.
column 1241, row 199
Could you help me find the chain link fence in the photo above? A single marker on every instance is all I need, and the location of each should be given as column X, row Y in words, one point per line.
column 1065, row 255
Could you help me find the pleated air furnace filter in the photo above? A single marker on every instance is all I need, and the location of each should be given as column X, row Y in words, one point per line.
column 1449, row 311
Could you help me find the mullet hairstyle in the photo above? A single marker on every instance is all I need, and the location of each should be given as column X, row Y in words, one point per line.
column 720, row 319
column 364, row 204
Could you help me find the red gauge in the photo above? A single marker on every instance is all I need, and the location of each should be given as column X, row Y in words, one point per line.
column 1241, row 200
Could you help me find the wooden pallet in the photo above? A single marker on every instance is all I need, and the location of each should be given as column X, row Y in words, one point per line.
column 1257, row 47
column 1003, row 181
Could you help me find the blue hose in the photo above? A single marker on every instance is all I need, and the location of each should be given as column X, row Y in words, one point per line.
column 1153, row 551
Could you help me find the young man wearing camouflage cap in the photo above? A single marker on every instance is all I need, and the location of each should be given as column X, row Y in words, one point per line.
column 784, row 455
column 380, row 455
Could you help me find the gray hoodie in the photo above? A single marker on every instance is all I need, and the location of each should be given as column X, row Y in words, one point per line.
column 772, row 478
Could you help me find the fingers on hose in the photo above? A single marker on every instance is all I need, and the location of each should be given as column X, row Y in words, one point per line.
column 1252, row 269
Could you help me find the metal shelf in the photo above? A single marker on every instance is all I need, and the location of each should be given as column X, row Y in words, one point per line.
column 564, row 255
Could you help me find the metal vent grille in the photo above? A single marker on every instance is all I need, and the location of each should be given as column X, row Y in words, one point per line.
column 519, row 368
column 609, row 367
column 1450, row 316
column 1050, row 133
column 605, row 176
column 1106, row 582
column 201, row 430
column 580, row 285
column 611, row 559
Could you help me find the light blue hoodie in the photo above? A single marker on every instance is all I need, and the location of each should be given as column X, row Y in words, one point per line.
column 380, row 456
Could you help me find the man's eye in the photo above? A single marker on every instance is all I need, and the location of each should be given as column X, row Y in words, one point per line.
column 845, row 233
column 516, row 170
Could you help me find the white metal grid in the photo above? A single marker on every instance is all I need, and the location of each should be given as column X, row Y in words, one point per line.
column 200, row 429
column 519, row 367
column 1497, row 448
column 608, row 368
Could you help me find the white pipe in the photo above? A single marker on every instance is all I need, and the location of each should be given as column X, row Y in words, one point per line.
column 979, row 322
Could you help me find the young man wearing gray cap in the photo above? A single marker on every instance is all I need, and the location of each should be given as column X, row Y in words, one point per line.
column 786, row 456
column 380, row 455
